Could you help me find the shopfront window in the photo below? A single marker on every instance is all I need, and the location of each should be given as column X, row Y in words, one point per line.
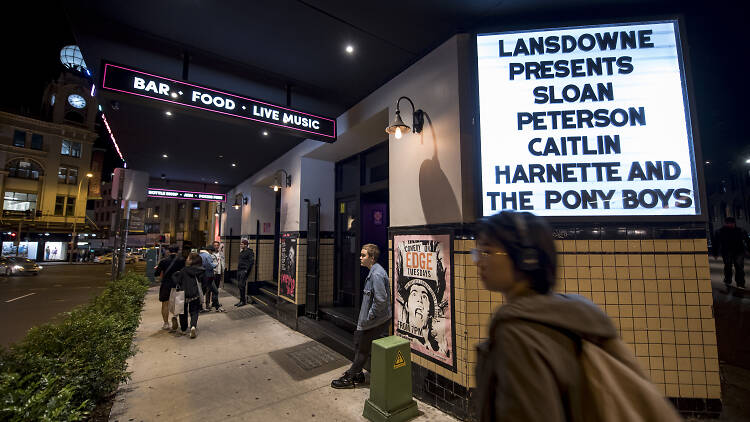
column 19, row 201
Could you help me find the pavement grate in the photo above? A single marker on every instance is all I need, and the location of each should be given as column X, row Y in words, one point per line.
column 314, row 356
column 307, row 360
column 244, row 313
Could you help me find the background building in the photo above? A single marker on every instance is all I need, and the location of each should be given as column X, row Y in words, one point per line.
column 45, row 163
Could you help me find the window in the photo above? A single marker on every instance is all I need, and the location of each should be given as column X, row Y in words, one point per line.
column 71, row 148
column 70, row 206
column 37, row 141
column 23, row 168
column 19, row 201
column 19, row 138
column 67, row 175
column 59, row 205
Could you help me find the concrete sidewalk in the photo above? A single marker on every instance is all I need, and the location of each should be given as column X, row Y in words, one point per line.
column 243, row 366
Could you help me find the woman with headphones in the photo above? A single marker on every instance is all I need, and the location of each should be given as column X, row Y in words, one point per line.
column 530, row 368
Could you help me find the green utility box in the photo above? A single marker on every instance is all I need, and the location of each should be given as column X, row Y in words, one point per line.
column 390, row 382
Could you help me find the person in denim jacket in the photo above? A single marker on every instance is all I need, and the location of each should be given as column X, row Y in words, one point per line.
column 374, row 316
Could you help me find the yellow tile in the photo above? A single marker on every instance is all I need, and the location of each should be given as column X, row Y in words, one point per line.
column 621, row 260
column 670, row 363
column 669, row 350
column 700, row 391
column 712, row 378
column 595, row 245
column 582, row 260
column 608, row 245
column 686, row 390
column 582, row 245
column 649, row 273
column 712, row 365
column 714, row 392
column 687, row 245
column 700, row 244
column 609, row 273
column 597, row 272
column 674, row 245
column 709, row 337
column 648, row 260
column 637, row 285
column 660, row 245
column 661, row 260
column 698, row 364
column 647, row 245
column 595, row 260
column 621, row 245
column 673, row 390
column 655, row 362
column 608, row 260
column 634, row 245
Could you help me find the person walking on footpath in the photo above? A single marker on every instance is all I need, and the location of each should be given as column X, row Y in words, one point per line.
column 166, row 268
column 209, row 288
column 730, row 241
column 244, row 266
column 535, row 364
column 188, row 280
column 374, row 316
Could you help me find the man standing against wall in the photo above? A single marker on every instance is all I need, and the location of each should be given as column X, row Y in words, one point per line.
column 731, row 241
column 244, row 266
column 219, row 270
column 374, row 316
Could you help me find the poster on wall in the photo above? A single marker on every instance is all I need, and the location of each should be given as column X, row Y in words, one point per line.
column 423, row 310
column 54, row 251
column 288, row 266
column 586, row 121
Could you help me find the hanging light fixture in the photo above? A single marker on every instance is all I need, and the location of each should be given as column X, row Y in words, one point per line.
column 399, row 128
column 239, row 201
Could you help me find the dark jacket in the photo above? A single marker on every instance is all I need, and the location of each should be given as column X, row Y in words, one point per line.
column 187, row 279
column 246, row 261
column 528, row 370
column 376, row 299
column 730, row 241
column 166, row 268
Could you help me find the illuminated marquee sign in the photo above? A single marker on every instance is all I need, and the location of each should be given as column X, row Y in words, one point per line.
column 181, row 194
column 130, row 81
column 586, row 121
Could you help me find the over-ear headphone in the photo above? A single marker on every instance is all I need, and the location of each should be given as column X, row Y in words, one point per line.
column 529, row 256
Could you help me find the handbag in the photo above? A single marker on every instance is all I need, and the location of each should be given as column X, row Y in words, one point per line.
column 177, row 302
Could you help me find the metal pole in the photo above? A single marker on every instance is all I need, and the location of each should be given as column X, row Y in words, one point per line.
column 118, row 222
column 75, row 220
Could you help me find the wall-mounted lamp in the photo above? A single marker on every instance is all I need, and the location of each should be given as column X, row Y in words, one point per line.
column 281, row 179
column 219, row 209
column 239, row 200
column 398, row 128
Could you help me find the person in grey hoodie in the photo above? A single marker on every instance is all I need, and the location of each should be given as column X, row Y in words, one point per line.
column 374, row 316
column 528, row 369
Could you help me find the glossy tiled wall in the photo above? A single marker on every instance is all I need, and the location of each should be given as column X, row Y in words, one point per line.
column 657, row 292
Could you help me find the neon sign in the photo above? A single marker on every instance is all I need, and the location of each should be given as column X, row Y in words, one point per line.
column 135, row 82
column 181, row 194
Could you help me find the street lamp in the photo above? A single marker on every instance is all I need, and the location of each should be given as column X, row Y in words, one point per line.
column 73, row 244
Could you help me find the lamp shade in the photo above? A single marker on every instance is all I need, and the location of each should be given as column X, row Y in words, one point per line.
column 398, row 125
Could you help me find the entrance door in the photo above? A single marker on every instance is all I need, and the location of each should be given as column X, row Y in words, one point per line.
column 347, row 253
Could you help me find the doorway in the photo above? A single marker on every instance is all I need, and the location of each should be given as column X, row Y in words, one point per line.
column 361, row 218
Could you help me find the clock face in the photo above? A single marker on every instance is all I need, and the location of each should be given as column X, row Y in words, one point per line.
column 76, row 101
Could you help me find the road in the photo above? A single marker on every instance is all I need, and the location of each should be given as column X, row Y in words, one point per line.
column 28, row 301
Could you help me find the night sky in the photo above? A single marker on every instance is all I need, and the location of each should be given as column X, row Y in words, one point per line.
column 717, row 51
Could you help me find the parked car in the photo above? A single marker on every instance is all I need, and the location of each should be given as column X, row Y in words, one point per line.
column 107, row 259
column 12, row 265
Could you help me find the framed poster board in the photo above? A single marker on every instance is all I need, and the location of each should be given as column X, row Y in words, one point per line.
column 423, row 309
column 288, row 267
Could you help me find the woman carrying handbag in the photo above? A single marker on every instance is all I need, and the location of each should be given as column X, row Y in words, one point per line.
column 187, row 280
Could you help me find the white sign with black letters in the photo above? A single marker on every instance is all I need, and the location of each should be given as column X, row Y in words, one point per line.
column 586, row 121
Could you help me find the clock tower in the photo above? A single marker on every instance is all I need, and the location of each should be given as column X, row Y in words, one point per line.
column 69, row 99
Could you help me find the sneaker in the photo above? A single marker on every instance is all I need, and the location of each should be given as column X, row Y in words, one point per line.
column 165, row 326
column 240, row 304
column 346, row 381
column 359, row 378
column 192, row 332
column 174, row 324
column 220, row 309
